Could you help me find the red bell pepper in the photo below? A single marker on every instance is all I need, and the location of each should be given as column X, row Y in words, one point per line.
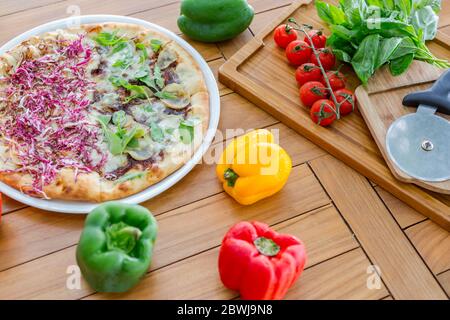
column 260, row 263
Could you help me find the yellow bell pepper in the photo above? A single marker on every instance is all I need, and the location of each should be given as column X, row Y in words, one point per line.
column 253, row 167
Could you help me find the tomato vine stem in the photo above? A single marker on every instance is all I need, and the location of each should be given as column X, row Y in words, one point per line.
column 322, row 69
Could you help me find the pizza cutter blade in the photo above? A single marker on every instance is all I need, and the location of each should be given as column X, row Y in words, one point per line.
column 419, row 143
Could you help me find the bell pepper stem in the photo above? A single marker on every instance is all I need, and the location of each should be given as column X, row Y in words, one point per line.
column 266, row 246
column 121, row 236
column 230, row 176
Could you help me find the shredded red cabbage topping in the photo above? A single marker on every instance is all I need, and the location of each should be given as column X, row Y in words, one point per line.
column 46, row 116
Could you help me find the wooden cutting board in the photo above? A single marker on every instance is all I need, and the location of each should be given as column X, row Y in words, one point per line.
column 260, row 72
column 380, row 103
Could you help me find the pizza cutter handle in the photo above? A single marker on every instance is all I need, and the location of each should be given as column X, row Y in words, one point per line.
column 437, row 96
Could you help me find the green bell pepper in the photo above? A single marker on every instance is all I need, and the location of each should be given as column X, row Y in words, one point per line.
column 214, row 21
column 116, row 246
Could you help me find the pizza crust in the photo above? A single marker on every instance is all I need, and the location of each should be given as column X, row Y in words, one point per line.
column 70, row 185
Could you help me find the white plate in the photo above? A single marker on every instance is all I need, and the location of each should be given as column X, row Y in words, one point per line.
column 214, row 99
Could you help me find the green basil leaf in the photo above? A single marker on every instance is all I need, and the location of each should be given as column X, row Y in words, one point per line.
column 119, row 47
column 104, row 119
column 141, row 47
column 149, row 82
column 156, row 45
column 118, row 82
column 329, row 13
column 400, row 65
column 354, row 10
column 376, row 3
column 365, row 58
column 165, row 95
column 144, row 55
column 141, row 73
column 108, row 39
column 155, row 82
column 186, row 130
column 342, row 55
column 123, row 64
column 156, row 132
column 133, row 97
column 129, row 176
column 387, row 27
column 344, row 33
column 133, row 144
column 120, row 132
column 136, row 90
column 387, row 47
column 127, row 138
column 404, row 6
column 406, row 47
column 114, row 141
column 337, row 42
column 159, row 80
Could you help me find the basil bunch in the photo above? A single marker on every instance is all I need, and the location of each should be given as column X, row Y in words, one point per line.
column 371, row 33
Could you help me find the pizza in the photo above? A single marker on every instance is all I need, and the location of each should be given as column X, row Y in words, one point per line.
column 98, row 112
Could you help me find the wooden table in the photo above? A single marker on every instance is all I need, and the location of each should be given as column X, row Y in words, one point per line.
column 347, row 223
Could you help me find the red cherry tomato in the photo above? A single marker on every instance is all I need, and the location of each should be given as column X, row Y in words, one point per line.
column 318, row 39
column 312, row 91
column 284, row 35
column 308, row 72
column 326, row 57
column 322, row 112
column 298, row 52
column 337, row 80
column 347, row 101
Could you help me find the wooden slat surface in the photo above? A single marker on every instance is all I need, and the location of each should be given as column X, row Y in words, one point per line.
column 402, row 269
column 12, row 6
column 37, row 247
column 405, row 215
column 433, row 243
column 444, row 279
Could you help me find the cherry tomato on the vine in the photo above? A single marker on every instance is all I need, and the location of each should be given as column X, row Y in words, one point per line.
column 318, row 39
column 326, row 57
column 323, row 112
column 308, row 72
column 346, row 100
column 312, row 91
column 298, row 52
column 284, row 35
column 337, row 80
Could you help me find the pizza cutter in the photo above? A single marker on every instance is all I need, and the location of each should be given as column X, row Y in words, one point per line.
column 419, row 143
